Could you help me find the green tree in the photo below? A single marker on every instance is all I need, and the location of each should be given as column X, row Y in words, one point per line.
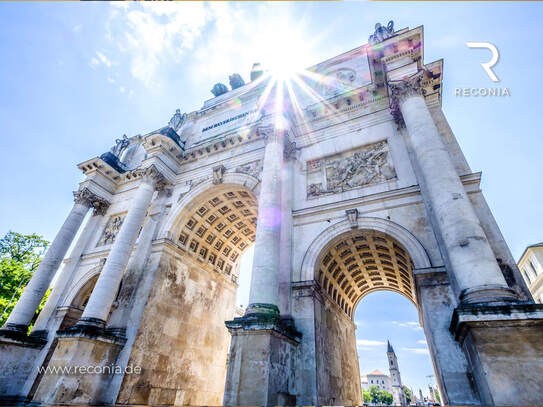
column 20, row 256
column 386, row 398
column 366, row 396
column 378, row 396
column 408, row 396
column 438, row 397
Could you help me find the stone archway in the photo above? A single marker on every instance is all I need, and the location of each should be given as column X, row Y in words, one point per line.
column 348, row 263
column 182, row 344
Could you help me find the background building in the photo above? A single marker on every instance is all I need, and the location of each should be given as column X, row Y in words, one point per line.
column 530, row 265
column 392, row 383
column 376, row 378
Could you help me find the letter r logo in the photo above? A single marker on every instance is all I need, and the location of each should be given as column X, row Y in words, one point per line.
column 487, row 65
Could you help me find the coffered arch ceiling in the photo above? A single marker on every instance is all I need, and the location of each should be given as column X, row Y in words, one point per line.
column 218, row 226
column 359, row 262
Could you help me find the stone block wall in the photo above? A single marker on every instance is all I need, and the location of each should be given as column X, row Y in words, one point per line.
column 182, row 344
column 338, row 375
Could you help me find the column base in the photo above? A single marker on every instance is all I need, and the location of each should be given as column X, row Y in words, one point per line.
column 504, row 349
column 265, row 317
column 87, row 360
column 488, row 294
column 18, row 334
column 261, row 353
column 94, row 328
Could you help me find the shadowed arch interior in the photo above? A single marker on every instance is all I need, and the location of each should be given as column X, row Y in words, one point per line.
column 362, row 261
column 218, row 226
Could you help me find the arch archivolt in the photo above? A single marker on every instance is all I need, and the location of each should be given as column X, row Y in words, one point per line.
column 81, row 284
column 217, row 223
column 350, row 263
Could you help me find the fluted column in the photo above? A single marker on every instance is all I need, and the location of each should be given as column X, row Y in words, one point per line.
column 102, row 297
column 26, row 307
column 474, row 266
column 264, row 294
column 67, row 272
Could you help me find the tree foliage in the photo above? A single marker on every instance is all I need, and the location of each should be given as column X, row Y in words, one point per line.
column 438, row 397
column 20, row 256
column 366, row 395
column 408, row 396
column 378, row 396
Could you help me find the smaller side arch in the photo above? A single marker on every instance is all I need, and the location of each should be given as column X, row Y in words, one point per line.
column 412, row 245
column 80, row 283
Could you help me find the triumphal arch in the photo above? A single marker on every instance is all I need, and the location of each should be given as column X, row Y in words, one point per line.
column 347, row 179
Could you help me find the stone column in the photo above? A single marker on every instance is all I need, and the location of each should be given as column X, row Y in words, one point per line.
column 66, row 274
column 104, row 293
column 264, row 294
column 285, row 266
column 26, row 307
column 474, row 267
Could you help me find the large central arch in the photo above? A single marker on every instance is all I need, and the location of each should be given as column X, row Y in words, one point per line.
column 348, row 261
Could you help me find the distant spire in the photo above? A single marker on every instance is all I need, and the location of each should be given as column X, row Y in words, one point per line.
column 390, row 349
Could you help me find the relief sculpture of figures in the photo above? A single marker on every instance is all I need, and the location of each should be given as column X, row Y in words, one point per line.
column 253, row 169
column 367, row 166
column 110, row 231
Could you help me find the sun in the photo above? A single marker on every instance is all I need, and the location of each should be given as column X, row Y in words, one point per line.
column 283, row 48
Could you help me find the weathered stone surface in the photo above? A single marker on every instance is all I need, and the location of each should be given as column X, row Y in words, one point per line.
column 338, row 375
column 170, row 281
column 183, row 344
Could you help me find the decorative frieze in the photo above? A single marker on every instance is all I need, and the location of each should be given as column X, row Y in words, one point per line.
column 368, row 165
column 113, row 226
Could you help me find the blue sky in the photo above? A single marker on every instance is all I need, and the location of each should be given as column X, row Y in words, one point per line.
column 76, row 76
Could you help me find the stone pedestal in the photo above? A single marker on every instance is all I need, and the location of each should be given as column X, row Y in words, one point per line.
column 505, row 350
column 86, row 359
column 260, row 370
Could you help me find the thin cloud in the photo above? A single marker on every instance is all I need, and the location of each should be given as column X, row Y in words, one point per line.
column 94, row 62
column 422, row 341
column 103, row 59
column 369, row 342
column 410, row 324
column 417, row 351
column 154, row 34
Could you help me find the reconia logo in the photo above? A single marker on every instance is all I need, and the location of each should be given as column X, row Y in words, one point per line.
column 487, row 66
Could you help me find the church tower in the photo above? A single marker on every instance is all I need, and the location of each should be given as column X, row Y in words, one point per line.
column 395, row 378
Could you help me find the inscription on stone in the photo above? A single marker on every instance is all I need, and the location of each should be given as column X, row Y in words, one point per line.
column 368, row 165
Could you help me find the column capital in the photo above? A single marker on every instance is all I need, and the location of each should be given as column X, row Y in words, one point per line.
column 407, row 87
column 85, row 196
column 403, row 89
column 271, row 134
column 152, row 176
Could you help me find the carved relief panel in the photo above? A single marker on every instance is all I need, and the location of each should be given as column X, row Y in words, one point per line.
column 368, row 165
column 113, row 226
column 253, row 169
